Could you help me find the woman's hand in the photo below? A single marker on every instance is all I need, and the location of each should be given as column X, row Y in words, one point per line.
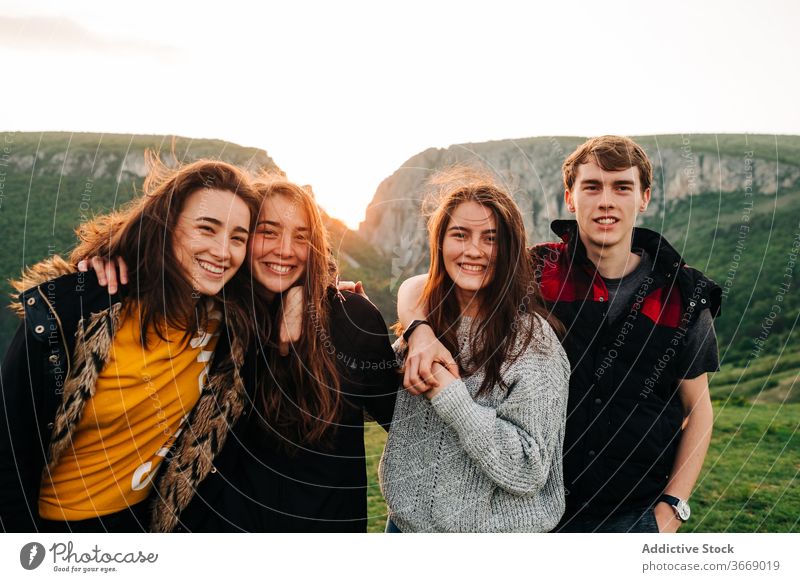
column 425, row 350
column 106, row 271
column 357, row 287
column 442, row 377
column 291, row 328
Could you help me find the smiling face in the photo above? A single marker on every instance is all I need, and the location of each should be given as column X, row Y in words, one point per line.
column 469, row 251
column 605, row 204
column 279, row 247
column 210, row 238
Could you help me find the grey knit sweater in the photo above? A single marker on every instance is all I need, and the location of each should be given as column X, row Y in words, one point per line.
column 458, row 463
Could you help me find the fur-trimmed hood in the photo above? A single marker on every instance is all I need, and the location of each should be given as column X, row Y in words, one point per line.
column 34, row 276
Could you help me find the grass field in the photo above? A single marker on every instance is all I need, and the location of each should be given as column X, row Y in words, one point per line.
column 750, row 481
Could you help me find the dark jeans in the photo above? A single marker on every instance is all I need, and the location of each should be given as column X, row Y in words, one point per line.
column 639, row 520
column 131, row 520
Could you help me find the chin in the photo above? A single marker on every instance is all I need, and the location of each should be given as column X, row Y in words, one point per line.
column 207, row 290
column 273, row 286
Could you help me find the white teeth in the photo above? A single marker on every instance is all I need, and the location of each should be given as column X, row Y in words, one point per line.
column 472, row 267
column 606, row 220
column 279, row 268
column 211, row 268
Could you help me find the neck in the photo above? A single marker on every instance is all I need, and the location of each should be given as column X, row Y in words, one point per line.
column 468, row 301
column 612, row 262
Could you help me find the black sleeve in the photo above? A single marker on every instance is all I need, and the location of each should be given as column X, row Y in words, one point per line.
column 700, row 353
column 20, row 446
column 365, row 354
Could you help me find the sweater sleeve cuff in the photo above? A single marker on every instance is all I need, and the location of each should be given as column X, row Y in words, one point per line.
column 455, row 406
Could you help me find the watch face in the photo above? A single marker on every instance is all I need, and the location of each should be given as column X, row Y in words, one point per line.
column 683, row 510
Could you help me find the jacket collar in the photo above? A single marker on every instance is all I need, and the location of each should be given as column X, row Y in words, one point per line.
column 665, row 258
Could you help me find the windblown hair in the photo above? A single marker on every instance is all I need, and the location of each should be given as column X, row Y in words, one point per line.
column 612, row 153
column 299, row 398
column 512, row 292
column 141, row 234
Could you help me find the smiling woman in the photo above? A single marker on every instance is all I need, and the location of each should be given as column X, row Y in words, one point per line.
column 296, row 462
column 210, row 239
column 478, row 448
column 279, row 248
column 99, row 387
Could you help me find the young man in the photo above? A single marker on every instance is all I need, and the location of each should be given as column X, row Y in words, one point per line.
column 640, row 339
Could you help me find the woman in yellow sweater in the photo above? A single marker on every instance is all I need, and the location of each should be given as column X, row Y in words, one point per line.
column 97, row 387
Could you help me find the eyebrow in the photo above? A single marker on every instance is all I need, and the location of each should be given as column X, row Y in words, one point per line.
column 464, row 228
column 217, row 222
column 279, row 225
column 594, row 182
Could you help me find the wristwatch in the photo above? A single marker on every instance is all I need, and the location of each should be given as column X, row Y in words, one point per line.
column 414, row 325
column 680, row 506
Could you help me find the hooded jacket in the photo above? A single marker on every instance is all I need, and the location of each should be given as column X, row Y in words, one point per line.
column 50, row 372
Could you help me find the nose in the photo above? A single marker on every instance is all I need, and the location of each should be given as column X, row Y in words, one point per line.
column 607, row 198
column 473, row 248
column 286, row 247
column 221, row 249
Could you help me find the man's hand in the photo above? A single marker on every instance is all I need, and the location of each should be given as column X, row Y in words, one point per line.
column 425, row 349
column 666, row 519
column 291, row 320
column 106, row 271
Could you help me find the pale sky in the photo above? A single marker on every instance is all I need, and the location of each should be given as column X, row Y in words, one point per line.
column 340, row 94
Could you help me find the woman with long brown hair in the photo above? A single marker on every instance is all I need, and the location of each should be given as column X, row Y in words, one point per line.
column 99, row 388
column 480, row 451
column 296, row 461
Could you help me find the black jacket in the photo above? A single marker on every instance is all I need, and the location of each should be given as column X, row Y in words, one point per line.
column 624, row 415
column 49, row 374
column 259, row 486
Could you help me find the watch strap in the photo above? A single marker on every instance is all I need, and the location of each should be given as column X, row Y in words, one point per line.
column 679, row 505
column 672, row 500
column 414, row 325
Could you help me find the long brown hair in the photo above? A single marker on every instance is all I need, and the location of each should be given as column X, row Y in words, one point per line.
column 141, row 234
column 512, row 291
column 299, row 397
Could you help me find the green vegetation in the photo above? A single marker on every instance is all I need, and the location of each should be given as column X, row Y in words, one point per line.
column 750, row 245
column 750, row 477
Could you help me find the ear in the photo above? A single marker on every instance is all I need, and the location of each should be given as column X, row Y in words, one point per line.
column 645, row 200
column 568, row 200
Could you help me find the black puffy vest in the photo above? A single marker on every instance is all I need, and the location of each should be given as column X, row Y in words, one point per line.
column 624, row 416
